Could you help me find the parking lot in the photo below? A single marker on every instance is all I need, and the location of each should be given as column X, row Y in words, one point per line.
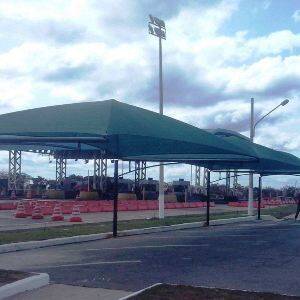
column 260, row 256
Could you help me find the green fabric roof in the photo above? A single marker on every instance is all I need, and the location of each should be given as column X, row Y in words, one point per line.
column 270, row 161
column 124, row 131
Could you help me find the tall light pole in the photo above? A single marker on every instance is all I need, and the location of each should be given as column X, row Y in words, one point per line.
column 253, row 125
column 157, row 28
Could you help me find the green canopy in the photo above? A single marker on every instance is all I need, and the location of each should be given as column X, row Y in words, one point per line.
column 115, row 129
column 270, row 161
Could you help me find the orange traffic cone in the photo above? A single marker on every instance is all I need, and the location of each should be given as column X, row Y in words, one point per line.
column 20, row 213
column 75, row 214
column 37, row 212
column 57, row 213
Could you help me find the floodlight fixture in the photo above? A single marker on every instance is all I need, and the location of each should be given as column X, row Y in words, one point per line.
column 156, row 21
column 157, row 27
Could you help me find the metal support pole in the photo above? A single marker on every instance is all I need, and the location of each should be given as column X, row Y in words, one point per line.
column 137, row 173
column 259, row 197
column 103, row 171
column 161, row 197
column 61, row 169
column 158, row 29
column 88, row 181
column 197, row 176
column 252, row 133
column 204, row 182
column 235, row 183
column 96, row 176
column 14, row 170
column 227, row 192
column 116, row 191
column 208, row 198
column 143, row 171
column 161, row 96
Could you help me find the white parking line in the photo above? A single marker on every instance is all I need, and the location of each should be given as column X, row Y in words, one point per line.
column 94, row 263
column 149, row 246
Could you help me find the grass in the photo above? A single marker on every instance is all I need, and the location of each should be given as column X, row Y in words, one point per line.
column 280, row 212
column 9, row 276
column 82, row 229
column 181, row 292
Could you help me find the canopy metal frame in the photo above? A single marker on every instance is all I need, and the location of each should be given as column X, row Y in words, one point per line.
column 127, row 132
column 60, row 169
column 14, row 170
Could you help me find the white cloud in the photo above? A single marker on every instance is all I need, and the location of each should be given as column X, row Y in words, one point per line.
column 296, row 16
column 110, row 55
column 39, row 10
column 192, row 23
column 266, row 4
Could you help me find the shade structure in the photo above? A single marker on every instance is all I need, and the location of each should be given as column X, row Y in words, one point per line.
column 271, row 162
column 116, row 130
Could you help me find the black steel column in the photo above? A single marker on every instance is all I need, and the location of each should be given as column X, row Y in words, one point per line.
column 116, row 191
column 259, row 196
column 208, row 197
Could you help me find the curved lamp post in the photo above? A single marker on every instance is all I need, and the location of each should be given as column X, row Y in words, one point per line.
column 252, row 134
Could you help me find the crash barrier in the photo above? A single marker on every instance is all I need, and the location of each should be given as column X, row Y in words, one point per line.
column 67, row 207
column 264, row 203
column 8, row 206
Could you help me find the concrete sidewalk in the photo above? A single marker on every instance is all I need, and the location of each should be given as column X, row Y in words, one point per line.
column 63, row 292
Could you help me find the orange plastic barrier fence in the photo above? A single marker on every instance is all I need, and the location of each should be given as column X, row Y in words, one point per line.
column 91, row 206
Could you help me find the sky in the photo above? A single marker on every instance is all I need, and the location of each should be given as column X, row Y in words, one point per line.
column 217, row 55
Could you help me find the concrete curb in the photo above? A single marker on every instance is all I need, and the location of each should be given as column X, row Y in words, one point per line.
column 53, row 242
column 100, row 236
column 270, row 218
column 23, row 285
column 140, row 291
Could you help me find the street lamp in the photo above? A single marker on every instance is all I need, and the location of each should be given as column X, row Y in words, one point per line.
column 283, row 103
column 252, row 135
column 157, row 28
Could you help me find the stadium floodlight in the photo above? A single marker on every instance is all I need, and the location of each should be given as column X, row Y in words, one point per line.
column 157, row 22
column 157, row 28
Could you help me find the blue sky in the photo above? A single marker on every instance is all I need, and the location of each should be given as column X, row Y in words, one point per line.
column 218, row 54
column 262, row 17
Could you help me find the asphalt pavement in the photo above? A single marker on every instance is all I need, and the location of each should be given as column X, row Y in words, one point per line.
column 258, row 256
